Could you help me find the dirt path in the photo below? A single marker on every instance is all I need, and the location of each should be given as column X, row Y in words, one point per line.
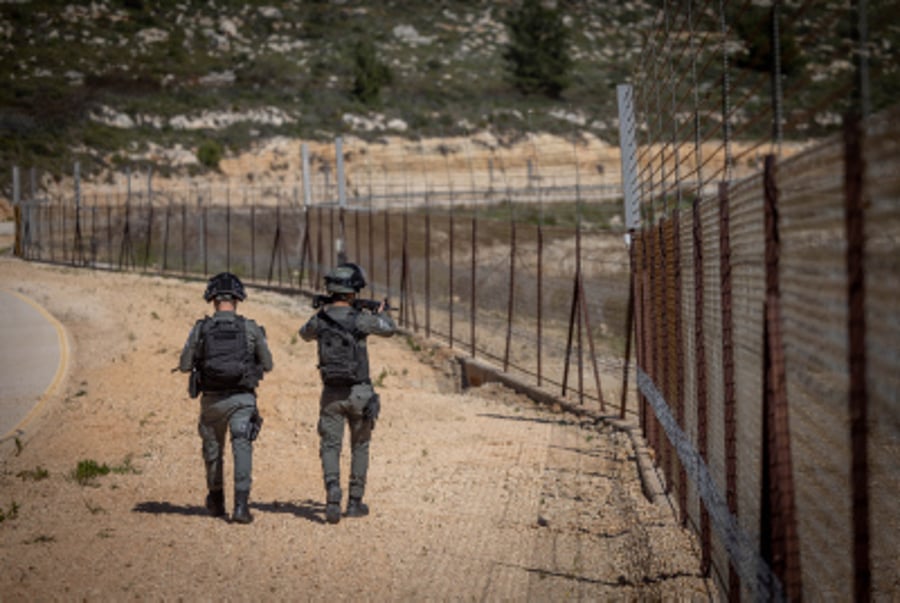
column 477, row 496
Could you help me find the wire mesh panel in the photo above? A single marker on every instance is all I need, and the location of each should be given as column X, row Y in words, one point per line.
column 814, row 294
column 882, row 319
column 748, row 285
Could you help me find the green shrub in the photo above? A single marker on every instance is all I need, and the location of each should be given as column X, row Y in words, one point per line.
column 369, row 74
column 88, row 470
column 538, row 51
column 210, row 153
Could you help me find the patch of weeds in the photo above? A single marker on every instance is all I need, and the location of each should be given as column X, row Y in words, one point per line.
column 35, row 475
column 94, row 509
column 379, row 380
column 154, row 315
column 413, row 344
column 147, row 418
column 132, row 336
column 294, row 340
column 19, row 446
column 89, row 470
column 11, row 513
column 43, row 538
column 80, row 393
column 105, row 533
column 126, row 467
column 424, row 452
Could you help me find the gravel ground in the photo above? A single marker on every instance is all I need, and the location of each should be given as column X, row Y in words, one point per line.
column 475, row 495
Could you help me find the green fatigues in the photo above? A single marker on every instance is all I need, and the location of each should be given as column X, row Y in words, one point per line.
column 338, row 404
column 224, row 411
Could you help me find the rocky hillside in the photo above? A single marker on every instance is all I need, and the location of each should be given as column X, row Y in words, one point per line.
column 111, row 82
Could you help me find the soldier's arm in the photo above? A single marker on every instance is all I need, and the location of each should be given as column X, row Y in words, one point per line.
column 261, row 347
column 309, row 331
column 380, row 324
column 186, row 362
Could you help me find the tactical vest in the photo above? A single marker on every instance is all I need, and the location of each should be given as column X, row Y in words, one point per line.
column 225, row 362
column 340, row 357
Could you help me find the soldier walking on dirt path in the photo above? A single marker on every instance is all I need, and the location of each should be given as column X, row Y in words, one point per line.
column 227, row 355
column 341, row 329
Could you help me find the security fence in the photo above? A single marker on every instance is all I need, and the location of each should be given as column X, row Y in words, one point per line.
column 544, row 302
column 767, row 344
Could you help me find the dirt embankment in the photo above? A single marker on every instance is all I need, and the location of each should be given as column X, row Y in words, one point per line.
column 474, row 495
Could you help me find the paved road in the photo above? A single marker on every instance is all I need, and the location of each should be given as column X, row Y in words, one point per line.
column 33, row 356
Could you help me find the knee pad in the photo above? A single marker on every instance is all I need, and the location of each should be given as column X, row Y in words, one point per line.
column 240, row 429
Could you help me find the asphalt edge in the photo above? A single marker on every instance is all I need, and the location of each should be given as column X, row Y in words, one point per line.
column 62, row 367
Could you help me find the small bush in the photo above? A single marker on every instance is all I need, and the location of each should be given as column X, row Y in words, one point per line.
column 210, row 153
column 370, row 74
column 88, row 470
column 538, row 52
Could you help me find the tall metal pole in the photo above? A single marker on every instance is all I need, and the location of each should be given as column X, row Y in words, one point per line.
column 342, row 199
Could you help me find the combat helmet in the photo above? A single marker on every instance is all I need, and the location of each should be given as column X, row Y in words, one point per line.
column 226, row 286
column 346, row 278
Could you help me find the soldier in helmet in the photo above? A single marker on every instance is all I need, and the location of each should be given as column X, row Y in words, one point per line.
column 227, row 355
column 341, row 329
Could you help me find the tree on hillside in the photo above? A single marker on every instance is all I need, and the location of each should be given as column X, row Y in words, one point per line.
column 538, row 51
column 369, row 74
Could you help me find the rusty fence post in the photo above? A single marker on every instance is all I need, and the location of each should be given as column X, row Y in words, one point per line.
column 540, row 300
column 165, row 262
column 511, row 293
column 854, row 208
column 778, row 521
column 629, row 325
column 731, row 461
column 472, row 297
column 451, row 262
column 679, row 360
column 701, row 377
column 427, row 268
column 184, row 238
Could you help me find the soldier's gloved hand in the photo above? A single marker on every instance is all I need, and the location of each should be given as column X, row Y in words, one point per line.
column 372, row 408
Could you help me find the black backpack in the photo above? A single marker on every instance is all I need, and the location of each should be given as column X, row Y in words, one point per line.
column 339, row 353
column 224, row 361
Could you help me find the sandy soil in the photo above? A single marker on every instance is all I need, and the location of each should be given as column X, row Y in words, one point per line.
column 476, row 495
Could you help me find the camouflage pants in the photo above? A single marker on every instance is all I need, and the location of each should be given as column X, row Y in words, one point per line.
column 337, row 406
column 218, row 414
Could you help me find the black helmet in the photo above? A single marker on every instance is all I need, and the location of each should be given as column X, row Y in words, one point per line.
column 346, row 278
column 224, row 286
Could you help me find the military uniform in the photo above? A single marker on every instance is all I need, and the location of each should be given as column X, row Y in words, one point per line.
column 223, row 411
column 340, row 403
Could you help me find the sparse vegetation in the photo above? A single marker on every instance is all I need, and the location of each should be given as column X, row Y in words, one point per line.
column 379, row 380
column 35, row 475
column 88, row 470
column 11, row 512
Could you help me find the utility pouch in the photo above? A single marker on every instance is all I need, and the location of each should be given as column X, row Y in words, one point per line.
column 254, row 426
column 194, row 384
column 372, row 409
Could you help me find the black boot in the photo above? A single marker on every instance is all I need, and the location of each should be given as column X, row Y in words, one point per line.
column 215, row 503
column 333, row 503
column 356, row 508
column 241, row 510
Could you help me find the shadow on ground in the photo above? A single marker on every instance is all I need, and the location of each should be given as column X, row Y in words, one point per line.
column 308, row 509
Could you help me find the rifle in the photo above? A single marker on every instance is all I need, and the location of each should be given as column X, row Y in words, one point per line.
column 360, row 304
